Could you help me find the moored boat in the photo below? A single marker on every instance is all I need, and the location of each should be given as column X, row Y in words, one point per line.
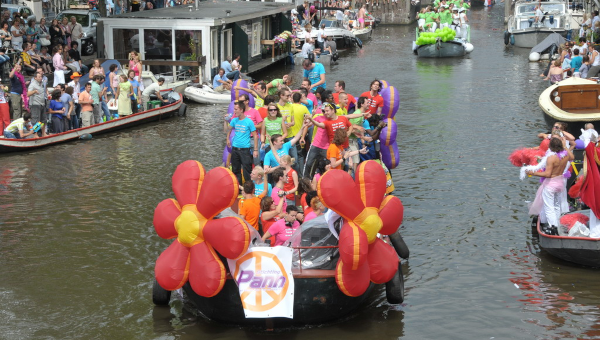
column 580, row 250
column 363, row 34
column 573, row 100
column 525, row 31
column 176, row 108
column 204, row 94
column 343, row 37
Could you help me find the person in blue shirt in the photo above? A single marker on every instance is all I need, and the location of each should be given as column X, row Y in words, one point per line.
column 229, row 72
column 241, row 147
column 279, row 149
column 220, row 82
column 576, row 61
column 58, row 112
column 315, row 72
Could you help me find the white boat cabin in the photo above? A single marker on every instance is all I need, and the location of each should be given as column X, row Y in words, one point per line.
column 207, row 33
column 555, row 15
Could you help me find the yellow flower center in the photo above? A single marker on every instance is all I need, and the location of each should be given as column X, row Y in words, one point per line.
column 370, row 222
column 189, row 226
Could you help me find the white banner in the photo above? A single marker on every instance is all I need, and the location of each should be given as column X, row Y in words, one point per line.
column 264, row 278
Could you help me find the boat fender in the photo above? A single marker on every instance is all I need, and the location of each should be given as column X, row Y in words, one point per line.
column 394, row 288
column 534, row 221
column 506, row 38
column 399, row 245
column 160, row 296
column 85, row 136
column 469, row 47
column 512, row 39
column 182, row 110
column 535, row 56
column 358, row 42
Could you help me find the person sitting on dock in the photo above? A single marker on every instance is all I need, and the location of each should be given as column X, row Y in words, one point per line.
column 576, row 63
column 220, row 82
column 16, row 129
column 230, row 73
column 308, row 48
column 152, row 89
column 548, row 203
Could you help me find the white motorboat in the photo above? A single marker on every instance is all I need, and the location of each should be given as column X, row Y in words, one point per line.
column 525, row 31
column 205, row 94
column 363, row 34
column 342, row 37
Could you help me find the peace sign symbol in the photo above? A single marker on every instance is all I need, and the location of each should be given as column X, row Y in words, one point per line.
column 276, row 295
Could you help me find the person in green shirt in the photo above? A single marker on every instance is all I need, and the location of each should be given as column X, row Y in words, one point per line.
column 272, row 125
column 275, row 85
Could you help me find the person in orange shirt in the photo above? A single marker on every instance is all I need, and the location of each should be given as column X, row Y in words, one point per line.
column 249, row 206
column 336, row 154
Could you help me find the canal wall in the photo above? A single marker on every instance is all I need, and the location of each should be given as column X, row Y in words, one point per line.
column 401, row 12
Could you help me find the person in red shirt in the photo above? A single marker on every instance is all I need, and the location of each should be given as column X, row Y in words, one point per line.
column 375, row 101
column 333, row 123
column 340, row 87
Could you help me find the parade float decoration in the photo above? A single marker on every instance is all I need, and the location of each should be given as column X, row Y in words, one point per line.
column 427, row 38
column 389, row 148
column 367, row 212
column 198, row 237
column 236, row 93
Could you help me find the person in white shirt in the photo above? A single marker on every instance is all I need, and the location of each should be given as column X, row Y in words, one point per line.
column 320, row 37
column 152, row 89
column 307, row 48
column 595, row 19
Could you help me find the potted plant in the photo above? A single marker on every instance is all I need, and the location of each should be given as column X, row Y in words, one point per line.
column 264, row 51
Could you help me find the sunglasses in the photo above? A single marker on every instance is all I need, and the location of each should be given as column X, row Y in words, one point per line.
column 275, row 110
column 556, row 127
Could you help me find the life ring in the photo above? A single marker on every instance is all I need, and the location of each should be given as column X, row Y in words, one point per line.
column 394, row 288
column 182, row 110
column 160, row 296
column 506, row 37
column 399, row 245
column 358, row 42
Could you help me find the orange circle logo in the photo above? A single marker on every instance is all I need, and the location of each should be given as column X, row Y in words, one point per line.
column 256, row 282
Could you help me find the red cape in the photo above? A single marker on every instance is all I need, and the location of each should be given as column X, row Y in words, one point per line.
column 589, row 189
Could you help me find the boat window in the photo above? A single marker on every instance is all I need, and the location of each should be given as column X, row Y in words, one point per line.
column 125, row 40
column 157, row 46
column 546, row 8
column 328, row 23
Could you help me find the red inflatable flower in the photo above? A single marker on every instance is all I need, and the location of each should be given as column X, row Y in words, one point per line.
column 189, row 219
column 363, row 256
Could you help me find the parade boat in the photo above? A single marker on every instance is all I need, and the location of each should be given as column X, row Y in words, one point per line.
column 580, row 250
column 177, row 107
column 324, row 271
column 443, row 43
column 524, row 31
column 317, row 298
column 575, row 101
column 204, row 94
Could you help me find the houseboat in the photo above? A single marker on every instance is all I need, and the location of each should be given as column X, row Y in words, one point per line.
column 527, row 30
column 196, row 39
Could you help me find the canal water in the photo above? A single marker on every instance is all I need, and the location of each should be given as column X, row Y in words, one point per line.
column 77, row 246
